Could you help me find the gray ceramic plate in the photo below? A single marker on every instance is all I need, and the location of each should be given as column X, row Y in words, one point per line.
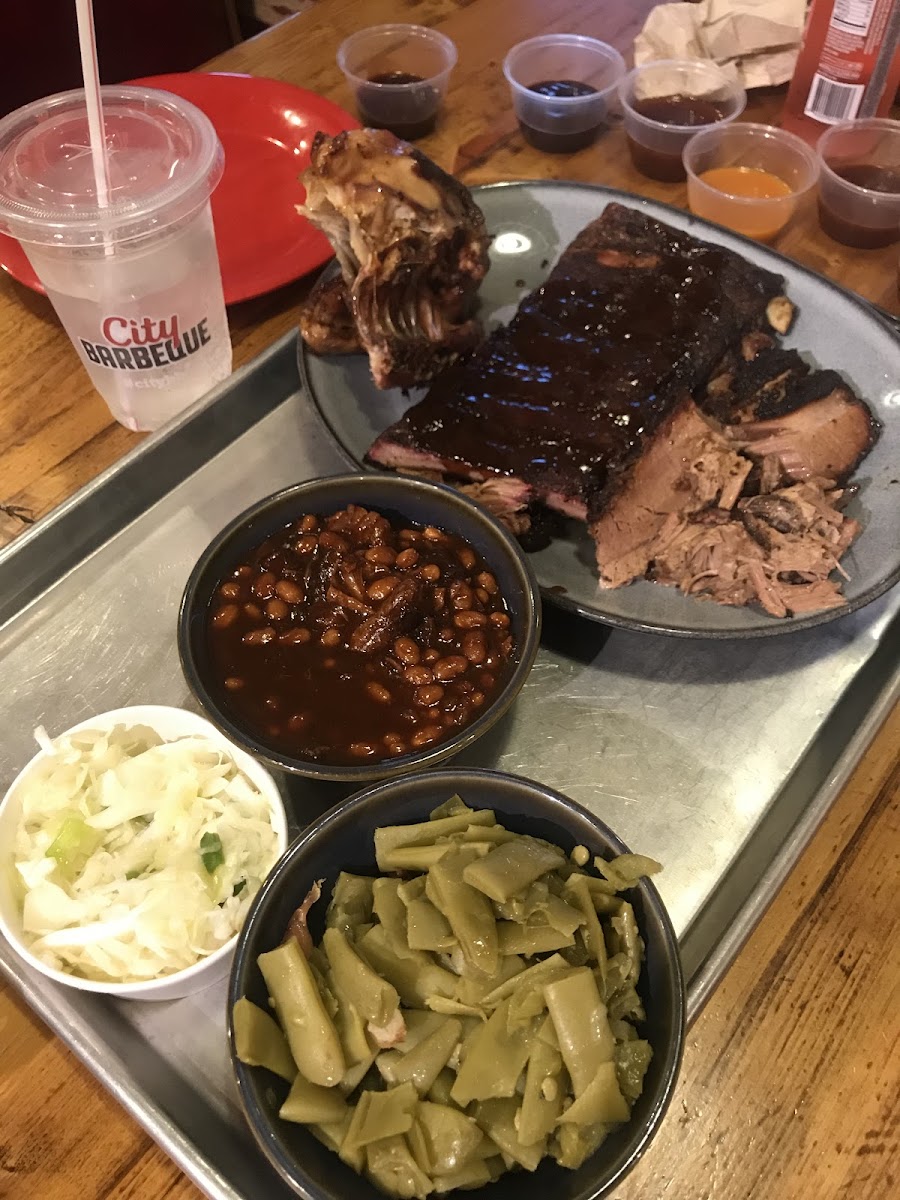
column 531, row 224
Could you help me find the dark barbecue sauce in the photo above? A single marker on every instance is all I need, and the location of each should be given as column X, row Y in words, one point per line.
column 590, row 361
column 671, row 110
column 853, row 233
column 681, row 110
column 568, row 133
column 409, row 115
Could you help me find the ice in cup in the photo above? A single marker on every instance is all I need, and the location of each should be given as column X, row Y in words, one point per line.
column 399, row 76
column 859, row 187
column 561, row 85
column 136, row 284
column 749, row 177
column 664, row 103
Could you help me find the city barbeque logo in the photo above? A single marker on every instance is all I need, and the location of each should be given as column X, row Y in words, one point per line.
column 142, row 344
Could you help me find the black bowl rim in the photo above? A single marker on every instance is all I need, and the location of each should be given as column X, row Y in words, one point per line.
column 387, row 768
column 454, row 778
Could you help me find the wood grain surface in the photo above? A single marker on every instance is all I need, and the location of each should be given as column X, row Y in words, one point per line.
column 791, row 1076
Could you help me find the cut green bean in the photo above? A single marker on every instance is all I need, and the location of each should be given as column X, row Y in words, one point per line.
column 534, row 976
column 373, row 998
column 390, row 910
column 494, row 1058
column 578, row 893
column 351, row 903
column 627, row 870
column 333, row 1136
column 530, row 940
column 627, row 940
column 498, row 1120
column 422, row 1065
column 600, row 1102
column 311, row 1035
column 526, row 1003
column 467, row 910
column 451, row 1138
column 392, row 1167
column 632, row 1060
column 574, row 1144
column 392, row 837
column 510, row 868
column 579, row 1018
column 259, row 1041
column 352, row 1031
column 381, row 1115
column 453, row 807
column 427, row 928
column 310, row 1104
column 420, row 1024
column 415, row 976
column 472, row 989
column 440, row 1090
column 544, row 1093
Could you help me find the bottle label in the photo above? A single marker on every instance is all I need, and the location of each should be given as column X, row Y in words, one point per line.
column 830, row 101
column 853, row 16
column 853, row 38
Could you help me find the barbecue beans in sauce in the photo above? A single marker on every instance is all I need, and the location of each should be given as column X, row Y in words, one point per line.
column 347, row 639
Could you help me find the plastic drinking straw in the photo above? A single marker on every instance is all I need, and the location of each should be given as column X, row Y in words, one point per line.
column 90, row 70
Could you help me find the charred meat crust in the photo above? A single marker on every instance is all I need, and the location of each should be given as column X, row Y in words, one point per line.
column 326, row 322
column 412, row 247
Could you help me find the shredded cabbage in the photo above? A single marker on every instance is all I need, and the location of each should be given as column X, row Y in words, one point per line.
column 114, row 883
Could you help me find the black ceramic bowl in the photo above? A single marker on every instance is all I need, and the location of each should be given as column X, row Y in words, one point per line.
column 395, row 497
column 343, row 840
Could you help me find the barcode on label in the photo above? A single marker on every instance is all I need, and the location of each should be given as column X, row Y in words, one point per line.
column 832, row 102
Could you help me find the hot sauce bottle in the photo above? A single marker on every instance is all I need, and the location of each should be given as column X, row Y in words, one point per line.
column 848, row 66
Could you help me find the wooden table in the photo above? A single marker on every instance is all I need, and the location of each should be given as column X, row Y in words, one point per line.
column 792, row 1073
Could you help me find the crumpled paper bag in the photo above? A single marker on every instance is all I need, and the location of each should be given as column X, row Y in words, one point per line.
column 755, row 41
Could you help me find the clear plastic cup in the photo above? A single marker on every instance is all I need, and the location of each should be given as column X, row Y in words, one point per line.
column 859, row 187
column 136, row 284
column 664, row 103
column 749, row 177
column 577, row 77
column 399, row 76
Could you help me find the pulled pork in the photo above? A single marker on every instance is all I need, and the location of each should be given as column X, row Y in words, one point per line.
column 683, row 519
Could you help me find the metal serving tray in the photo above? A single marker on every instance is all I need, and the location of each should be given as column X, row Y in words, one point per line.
column 719, row 758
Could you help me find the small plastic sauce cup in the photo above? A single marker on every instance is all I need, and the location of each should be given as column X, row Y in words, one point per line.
column 399, row 76
column 577, row 76
column 664, row 104
column 859, row 187
column 751, row 178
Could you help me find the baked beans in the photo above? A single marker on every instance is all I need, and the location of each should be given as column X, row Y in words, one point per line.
column 342, row 638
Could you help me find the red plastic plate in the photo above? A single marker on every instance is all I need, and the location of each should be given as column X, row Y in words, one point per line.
column 266, row 128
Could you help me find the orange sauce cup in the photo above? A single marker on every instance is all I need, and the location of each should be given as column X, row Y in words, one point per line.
column 750, row 178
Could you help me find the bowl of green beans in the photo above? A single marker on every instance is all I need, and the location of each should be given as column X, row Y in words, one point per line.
column 456, row 980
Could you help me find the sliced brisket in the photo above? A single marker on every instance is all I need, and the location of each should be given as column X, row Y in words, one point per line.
column 687, row 467
column 825, row 437
column 679, row 517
